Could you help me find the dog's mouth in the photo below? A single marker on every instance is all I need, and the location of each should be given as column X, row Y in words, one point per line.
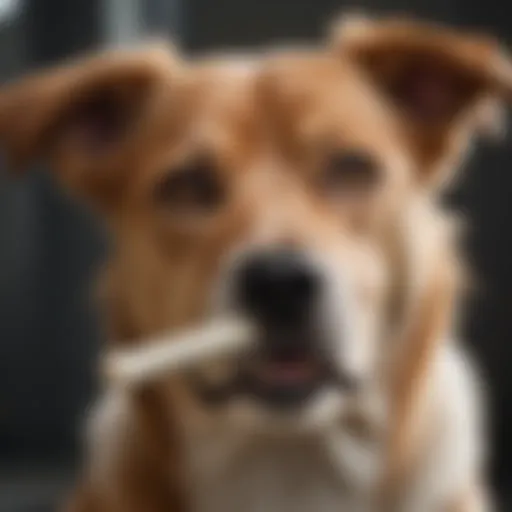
column 285, row 380
column 280, row 375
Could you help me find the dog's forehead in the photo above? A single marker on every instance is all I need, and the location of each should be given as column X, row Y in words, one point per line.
column 219, row 102
column 224, row 84
column 323, row 95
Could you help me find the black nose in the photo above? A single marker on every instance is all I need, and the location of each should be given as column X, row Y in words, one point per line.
column 278, row 286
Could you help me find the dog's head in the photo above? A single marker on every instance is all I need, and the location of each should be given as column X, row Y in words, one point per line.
column 270, row 189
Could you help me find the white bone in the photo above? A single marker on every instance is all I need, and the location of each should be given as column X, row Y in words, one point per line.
column 177, row 352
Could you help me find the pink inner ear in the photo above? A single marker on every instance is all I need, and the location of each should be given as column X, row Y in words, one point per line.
column 429, row 93
column 96, row 125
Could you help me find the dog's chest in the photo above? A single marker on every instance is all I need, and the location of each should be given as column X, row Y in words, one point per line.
column 273, row 476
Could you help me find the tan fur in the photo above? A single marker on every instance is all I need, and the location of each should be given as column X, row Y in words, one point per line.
column 268, row 128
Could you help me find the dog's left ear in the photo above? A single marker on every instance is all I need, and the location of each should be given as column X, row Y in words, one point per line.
column 89, row 119
column 447, row 86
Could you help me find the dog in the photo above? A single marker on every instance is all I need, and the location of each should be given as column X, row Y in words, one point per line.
column 299, row 188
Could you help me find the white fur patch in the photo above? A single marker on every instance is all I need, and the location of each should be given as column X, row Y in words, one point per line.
column 277, row 474
column 454, row 456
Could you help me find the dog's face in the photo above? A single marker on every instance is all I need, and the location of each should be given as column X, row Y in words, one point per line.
column 230, row 222
column 306, row 262
column 267, row 190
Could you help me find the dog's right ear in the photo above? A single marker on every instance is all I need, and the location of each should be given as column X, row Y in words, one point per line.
column 87, row 118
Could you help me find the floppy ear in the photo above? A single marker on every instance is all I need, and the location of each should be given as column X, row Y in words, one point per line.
column 85, row 118
column 447, row 86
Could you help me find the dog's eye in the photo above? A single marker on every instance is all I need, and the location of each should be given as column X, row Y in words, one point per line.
column 353, row 172
column 192, row 187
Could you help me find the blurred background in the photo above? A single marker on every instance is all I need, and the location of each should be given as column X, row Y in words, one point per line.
column 49, row 248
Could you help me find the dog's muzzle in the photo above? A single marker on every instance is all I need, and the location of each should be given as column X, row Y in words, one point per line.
column 281, row 290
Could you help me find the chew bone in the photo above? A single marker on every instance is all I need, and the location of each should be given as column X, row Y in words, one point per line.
column 178, row 352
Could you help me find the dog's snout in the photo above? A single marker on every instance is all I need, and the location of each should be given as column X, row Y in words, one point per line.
column 278, row 286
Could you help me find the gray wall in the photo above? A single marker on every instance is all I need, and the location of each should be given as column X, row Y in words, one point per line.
column 49, row 246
